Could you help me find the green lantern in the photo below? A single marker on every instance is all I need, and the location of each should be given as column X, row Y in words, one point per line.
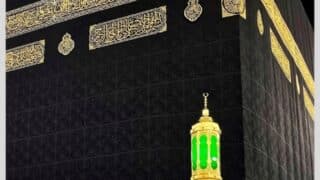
column 205, row 147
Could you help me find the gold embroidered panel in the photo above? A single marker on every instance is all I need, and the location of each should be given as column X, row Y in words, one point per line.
column 308, row 103
column 280, row 56
column 289, row 41
column 260, row 24
column 49, row 12
column 297, row 84
column 24, row 56
column 233, row 7
column 127, row 28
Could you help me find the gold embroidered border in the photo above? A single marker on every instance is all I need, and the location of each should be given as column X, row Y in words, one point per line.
column 24, row 56
column 308, row 103
column 280, row 55
column 127, row 28
column 289, row 41
column 49, row 12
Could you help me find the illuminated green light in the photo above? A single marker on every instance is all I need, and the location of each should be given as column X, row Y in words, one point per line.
column 194, row 153
column 214, row 152
column 203, row 151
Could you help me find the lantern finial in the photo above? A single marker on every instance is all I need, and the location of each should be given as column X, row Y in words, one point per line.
column 205, row 111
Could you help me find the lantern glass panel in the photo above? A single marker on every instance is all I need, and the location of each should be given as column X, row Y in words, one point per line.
column 203, row 151
column 214, row 152
column 194, row 153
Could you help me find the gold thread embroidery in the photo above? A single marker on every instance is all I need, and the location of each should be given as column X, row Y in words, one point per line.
column 308, row 103
column 289, row 41
column 193, row 10
column 298, row 84
column 66, row 45
column 233, row 8
column 260, row 23
column 25, row 56
column 127, row 28
column 49, row 12
column 280, row 56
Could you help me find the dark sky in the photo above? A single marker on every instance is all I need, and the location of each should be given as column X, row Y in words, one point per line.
column 309, row 7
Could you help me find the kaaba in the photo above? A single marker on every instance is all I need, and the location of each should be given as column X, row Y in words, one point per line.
column 109, row 89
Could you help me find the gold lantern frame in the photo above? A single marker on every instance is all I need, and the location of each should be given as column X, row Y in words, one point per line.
column 206, row 127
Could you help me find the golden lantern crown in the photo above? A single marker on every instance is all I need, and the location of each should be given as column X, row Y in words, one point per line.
column 205, row 147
